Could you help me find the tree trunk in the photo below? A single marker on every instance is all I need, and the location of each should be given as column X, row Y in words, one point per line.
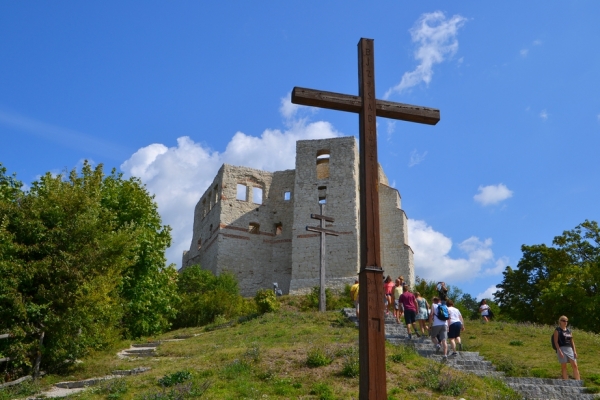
column 38, row 360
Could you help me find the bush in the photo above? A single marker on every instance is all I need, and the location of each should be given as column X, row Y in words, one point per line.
column 206, row 297
column 351, row 364
column 175, row 378
column 318, row 357
column 266, row 301
column 333, row 300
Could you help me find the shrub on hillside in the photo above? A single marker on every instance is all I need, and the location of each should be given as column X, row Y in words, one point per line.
column 204, row 297
column 333, row 300
column 266, row 301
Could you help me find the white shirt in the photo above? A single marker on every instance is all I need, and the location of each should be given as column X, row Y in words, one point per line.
column 484, row 310
column 454, row 314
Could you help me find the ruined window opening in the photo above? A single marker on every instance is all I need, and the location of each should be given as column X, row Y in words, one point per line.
column 210, row 231
column 257, row 195
column 216, row 194
column 203, row 208
column 322, row 194
column 323, row 164
column 199, row 243
column 254, row 228
column 242, row 192
column 287, row 196
column 210, row 203
column 278, row 228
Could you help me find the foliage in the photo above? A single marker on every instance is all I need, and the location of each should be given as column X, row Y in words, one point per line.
column 351, row 363
column 206, row 297
column 333, row 299
column 558, row 280
column 175, row 378
column 266, row 301
column 318, row 357
column 82, row 261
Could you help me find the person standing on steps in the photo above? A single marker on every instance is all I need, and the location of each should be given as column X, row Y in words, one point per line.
column 397, row 294
column 438, row 330
column 484, row 310
column 565, row 348
column 388, row 288
column 422, row 313
column 408, row 305
column 456, row 324
column 354, row 295
column 442, row 292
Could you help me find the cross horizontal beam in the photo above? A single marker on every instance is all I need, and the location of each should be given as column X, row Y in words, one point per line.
column 322, row 230
column 346, row 102
column 323, row 217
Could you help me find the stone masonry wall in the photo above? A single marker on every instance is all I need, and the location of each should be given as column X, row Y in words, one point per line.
column 339, row 187
column 396, row 254
column 262, row 241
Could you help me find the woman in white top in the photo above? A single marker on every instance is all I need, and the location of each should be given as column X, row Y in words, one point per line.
column 456, row 324
column 484, row 310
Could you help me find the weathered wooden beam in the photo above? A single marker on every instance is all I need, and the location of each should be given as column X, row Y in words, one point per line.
column 326, row 231
column 5, row 359
column 383, row 108
column 5, row 336
column 323, row 217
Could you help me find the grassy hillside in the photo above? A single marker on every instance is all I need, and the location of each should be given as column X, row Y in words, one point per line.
column 289, row 354
column 524, row 349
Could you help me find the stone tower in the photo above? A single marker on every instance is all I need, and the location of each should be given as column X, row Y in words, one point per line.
column 252, row 223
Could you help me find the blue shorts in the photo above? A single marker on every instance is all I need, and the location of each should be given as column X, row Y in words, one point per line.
column 454, row 331
column 409, row 316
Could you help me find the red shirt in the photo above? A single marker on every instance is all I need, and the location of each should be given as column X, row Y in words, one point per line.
column 408, row 301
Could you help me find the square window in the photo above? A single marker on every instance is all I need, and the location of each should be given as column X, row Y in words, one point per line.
column 242, row 192
column 257, row 195
column 287, row 196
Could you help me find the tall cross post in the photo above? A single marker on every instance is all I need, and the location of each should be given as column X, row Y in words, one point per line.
column 371, row 323
column 321, row 229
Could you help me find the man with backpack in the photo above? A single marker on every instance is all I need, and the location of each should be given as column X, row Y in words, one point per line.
column 438, row 321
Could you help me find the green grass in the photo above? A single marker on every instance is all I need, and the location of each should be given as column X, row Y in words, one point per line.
column 268, row 357
column 524, row 349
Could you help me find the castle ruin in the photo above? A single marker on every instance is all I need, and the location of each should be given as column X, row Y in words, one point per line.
column 252, row 223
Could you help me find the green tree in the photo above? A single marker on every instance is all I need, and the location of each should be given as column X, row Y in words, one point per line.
column 557, row 280
column 205, row 296
column 148, row 287
column 82, row 262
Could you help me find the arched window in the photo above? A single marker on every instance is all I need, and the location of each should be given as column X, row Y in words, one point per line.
column 323, row 164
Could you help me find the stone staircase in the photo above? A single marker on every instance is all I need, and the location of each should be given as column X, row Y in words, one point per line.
column 472, row 362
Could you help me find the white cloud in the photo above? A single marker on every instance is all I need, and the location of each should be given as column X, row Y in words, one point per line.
column 436, row 37
column 432, row 255
column 537, row 42
column 524, row 52
column 598, row 117
column 488, row 293
column 178, row 176
column 500, row 266
column 416, row 158
column 492, row 194
column 544, row 115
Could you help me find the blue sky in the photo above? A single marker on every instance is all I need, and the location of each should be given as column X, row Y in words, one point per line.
column 168, row 91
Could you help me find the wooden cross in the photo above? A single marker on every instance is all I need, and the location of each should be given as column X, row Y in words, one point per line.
column 321, row 229
column 371, row 322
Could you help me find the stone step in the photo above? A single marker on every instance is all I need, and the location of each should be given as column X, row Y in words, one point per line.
column 141, row 351
column 545, row 381
column 148, row 344
column 549, row 390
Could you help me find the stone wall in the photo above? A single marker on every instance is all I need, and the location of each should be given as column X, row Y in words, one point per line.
column 262, row 241
column 338, row 187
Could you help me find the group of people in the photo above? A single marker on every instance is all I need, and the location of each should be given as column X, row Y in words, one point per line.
column 423, row 318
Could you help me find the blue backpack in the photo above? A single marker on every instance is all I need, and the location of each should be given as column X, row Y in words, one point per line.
column 442, row 312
